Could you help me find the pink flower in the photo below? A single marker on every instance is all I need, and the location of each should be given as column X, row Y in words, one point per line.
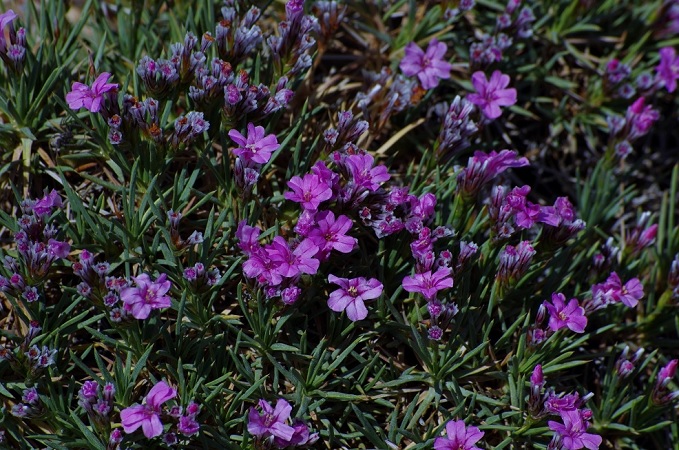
column 82, row 95
column 351, row 295
column 148, row 416
column 363, row 172
column 5, row 19
column 256, row 147
column 271, row 422
column 429, row 284
column 459, row 437
column 429, row 66
column 310, row 191
column 290, row 263
column 630, row 293
column 668, row 68
column 331, row 233
column 572, row 431
column 562, row 315
column 45, row 205
column 147, row 295
column 491, row 94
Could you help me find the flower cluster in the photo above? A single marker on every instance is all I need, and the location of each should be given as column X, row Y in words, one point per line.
column 572, row 433
column 31, row 405
column 97, row 402
column 12, row 52
column 37, row 249
column 272, row 422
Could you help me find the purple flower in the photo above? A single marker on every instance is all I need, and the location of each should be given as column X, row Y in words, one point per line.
column 5, row 19
column 668, row 69
column 351, row 295
column 459, row 437
column 562, row 315
column 256, row 147
column 188, row 426
column 491, row 94
column 290, row 263
column 45, row 205
column 630, row 293
column 330, row 233
column 483, row 167
column 572, row 431
column 271, row 421
column 363, row 172
column 82, row 95
column 310, row 191
column 147, row 416
column 429, row 66
column 147, row 295
column 428, row 283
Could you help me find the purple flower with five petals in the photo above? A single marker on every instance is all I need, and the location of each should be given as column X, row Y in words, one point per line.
column 428, row 283
column 256, row 147
column 491, row 94
column 459, row 437
column 562, row 315
column 429, row 66
column 82, row 95
column 352, row 294
column 310, row 191
column 147, row 416
column 147, row 295
column 572, row 431
column 331, row 234
column 271, row 422
column 668, row 68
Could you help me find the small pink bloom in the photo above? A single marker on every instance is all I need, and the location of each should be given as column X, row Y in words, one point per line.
column 147, row 295
column 256, row 147
column 668, row 68
column 562, row 315
column 459, row 437
column 352, row 294
column 271, row 422
column 309, row 191
column 428, row 283
column 429, row 66
column 147, row 416
column 82, row 95
column 491, row 94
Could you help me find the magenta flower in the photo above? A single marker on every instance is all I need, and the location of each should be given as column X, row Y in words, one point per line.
column 572, row 431
column 147, row 295
column 290, row 263
column 491, row 94
column 256, row 147
column 147, row 416
column 630, row 293
column 5, row 19
column 331, row 233
column 668, row 68
column 429, row 66
column 271, row 422
column 82, row 95
column 363, row 172
column 562, row 315
column 352, row 294
column 310, row 191
column 459, row 437
column 45, row 205
column 428, row 283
